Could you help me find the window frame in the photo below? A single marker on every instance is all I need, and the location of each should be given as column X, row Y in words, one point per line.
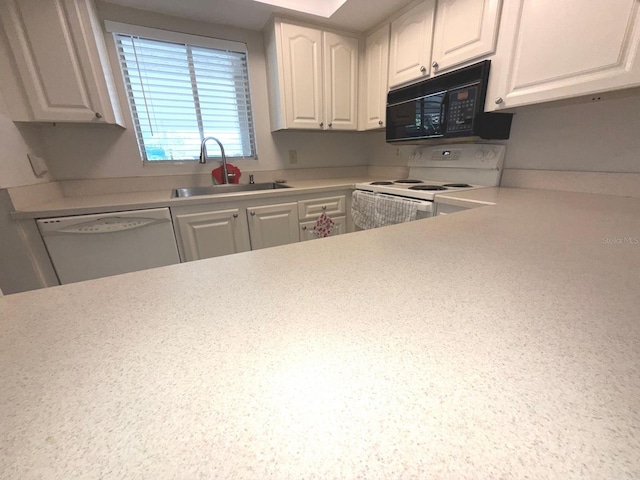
column 115, row 28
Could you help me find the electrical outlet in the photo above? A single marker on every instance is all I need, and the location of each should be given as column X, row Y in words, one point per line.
column 293, row 157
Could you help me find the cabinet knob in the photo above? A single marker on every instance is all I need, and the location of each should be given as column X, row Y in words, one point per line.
column 324, row 207
column 499, row 100
column 380, row 122
column 423, row 69
column 330, row 125
column 98, row 115
column 435, row 65
column 235, row 215
column 321, row 124
column 304, row 227
column 252, row 213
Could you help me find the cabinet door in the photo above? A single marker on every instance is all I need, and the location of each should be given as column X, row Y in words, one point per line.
column 340, row 81
column 302, row 76
column 556, row 50
column 212, row 234
column 306, row 229
column 273, row 225
column 61, row 60
column 376, row 79
column 465, row 30
column 411, row 40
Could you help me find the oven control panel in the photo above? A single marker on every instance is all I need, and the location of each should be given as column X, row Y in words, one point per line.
column 483, row 156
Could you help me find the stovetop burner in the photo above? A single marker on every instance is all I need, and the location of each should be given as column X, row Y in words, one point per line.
column 427, row 187
column 457, row 185
column 408, row 180
column 381, row 183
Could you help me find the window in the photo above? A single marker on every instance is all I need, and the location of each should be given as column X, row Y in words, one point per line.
column 183, row 89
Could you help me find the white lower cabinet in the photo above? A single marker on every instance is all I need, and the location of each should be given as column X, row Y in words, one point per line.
column 212, row 234
column 307, row 233
column 222, row 228
column 310, row 210
column 273, row 225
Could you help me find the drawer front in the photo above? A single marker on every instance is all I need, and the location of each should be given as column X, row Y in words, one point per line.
column 311, row 209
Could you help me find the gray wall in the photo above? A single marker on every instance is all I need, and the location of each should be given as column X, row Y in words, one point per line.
column 82, row 152
column 590, row 137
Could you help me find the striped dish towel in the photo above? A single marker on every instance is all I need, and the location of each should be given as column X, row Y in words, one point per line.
column 373, row 210
column 363, row 209
column 391, row 210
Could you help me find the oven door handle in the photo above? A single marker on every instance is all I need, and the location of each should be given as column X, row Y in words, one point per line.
column 423, row 205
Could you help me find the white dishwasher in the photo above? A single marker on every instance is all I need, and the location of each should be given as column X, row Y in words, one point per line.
column 83, row 247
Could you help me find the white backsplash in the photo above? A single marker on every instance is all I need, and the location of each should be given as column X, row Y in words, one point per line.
column 621, row 184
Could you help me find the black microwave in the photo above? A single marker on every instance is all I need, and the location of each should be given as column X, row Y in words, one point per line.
column 450, row 105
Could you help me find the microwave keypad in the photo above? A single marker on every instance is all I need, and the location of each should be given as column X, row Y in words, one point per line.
column 462, row 107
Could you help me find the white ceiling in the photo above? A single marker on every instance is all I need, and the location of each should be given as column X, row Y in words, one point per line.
column 354, row 15
column 324, row 8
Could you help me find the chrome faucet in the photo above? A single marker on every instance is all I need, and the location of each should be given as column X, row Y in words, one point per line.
column 203, row 157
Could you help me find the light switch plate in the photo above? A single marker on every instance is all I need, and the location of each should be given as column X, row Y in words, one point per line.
column 38, row 165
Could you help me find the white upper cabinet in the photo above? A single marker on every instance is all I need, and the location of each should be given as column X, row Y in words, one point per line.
column 375, row 79
column 340, row 81
column 62, row 64
column 302, row 76
column 313, row 78
column 307, row 233
column 555, row 50
column 464, row 30
column 411, row 41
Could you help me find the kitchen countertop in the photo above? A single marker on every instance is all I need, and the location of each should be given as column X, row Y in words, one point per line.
column 80, row 205
column 499, row 342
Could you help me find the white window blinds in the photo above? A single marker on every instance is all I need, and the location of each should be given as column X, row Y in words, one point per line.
column 180, row 93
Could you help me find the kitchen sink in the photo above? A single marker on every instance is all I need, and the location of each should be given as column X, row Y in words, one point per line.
column 230, row 188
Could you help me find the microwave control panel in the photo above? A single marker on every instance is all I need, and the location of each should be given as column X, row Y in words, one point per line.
column 462, row 108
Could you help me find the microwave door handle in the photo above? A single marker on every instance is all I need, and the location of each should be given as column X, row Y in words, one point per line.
column 444, row 107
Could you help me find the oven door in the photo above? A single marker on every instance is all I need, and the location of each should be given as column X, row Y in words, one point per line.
column 373, row 210
column 418, row 118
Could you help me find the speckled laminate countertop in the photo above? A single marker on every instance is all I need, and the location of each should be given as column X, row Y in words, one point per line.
column 115, row 202
column 496, row 343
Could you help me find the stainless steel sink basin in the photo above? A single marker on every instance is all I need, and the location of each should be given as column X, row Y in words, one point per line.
column 230, row 188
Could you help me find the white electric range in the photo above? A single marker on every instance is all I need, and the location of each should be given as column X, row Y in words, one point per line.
column 432, row 171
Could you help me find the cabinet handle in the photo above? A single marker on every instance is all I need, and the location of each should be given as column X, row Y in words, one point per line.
column 499, row 100
column 98, row 115
column 423, row 69
column 380, row 122
column 252, row 213
column 330, row 125
column 304, row 227
column 324, row 207
column 435, row 65
column 235, row 215
column 321, row 124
